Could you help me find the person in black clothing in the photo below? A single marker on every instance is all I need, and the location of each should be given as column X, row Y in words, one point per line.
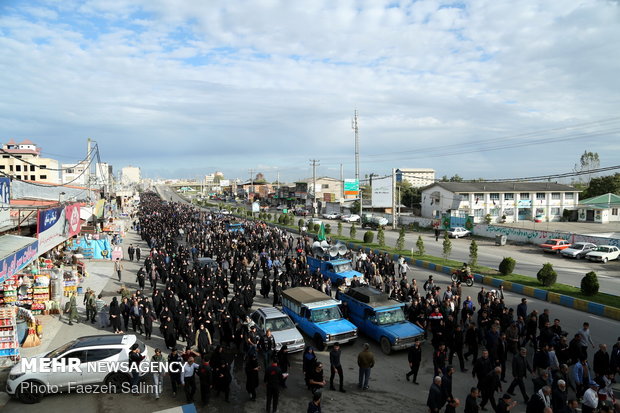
column 415, row 359
column 316, row 380
column 148, row 317
column 130, row 252
column 175, row 376
column 505, row 404
column 435, row 400
column 272, row 379
column 251, row 371
column 471, row 339
column 601, row 362
column 471, row 402
column 490, row 385
column 501, row 352
column 335, row 366
column 482, row 367
column 135, row 358
column 456, row 347
column 520, row 367
column 315, row 405
column 446, row 384
column 206, row 378
column 283, row 363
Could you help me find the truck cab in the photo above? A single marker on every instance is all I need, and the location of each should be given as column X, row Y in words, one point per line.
column 317, row 315
column 375, row 222
column 380, row 318
column 339, row 270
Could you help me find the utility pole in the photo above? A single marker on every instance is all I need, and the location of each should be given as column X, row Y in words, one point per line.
column 355, row 128
column 314, row 163
column 394, row 199
column 251, row 183
column 341, row 182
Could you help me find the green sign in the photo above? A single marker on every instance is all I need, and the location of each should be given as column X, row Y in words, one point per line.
column 351, row 185
column 285, row 211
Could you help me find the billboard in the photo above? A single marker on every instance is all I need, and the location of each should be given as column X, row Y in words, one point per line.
column 5, row 201
column 255, row 207
column 225, row 182
column 56, row 225
column 73, row 223
column 382, row 193
column 351, row 188
column 17, row 260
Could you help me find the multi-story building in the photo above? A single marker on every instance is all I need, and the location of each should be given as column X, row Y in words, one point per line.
column 130, row 175
column 104, row 174
column 417, row 177
column 23, row 161
column 327, row 190
column 503, row 201
column 74, row 173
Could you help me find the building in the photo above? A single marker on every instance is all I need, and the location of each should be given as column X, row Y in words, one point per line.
column 104, row 174
column 417, row 177
column 74, row 173
column 602, row 208
column 130, row 175
column 502, row 201
column 23, row 161
column 327, row 190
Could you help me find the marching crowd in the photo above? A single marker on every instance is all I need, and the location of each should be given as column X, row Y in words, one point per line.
column 206, row 308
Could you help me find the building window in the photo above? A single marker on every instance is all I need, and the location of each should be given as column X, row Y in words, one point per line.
column 11, row 168
column 509, row 197
column 33, row 178
column 43, row 166
column 555, row 195
column 478, row 213
column 31, row 168
column 18, row 176
column 69, row 171
column 6, row 156
column 325, row 186
column 524, row 195
column 614, row 211
column 495, row 212
column 43, row 176
column 569, row 195
column 18, row 168
column 478, row 198
column 540, row 195
column 494, row 197
column 509, row 212
column 2, row 166
column 18, row 156
column 555, row 211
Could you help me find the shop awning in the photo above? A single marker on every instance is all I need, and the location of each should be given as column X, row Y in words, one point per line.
column 15, row 253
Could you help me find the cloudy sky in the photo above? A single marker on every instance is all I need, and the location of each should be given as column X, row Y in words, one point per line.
column 481, row 88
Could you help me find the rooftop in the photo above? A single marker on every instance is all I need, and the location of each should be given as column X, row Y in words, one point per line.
column 503, row 187
column 602, row 201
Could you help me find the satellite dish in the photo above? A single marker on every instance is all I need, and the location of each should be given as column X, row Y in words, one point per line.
column 342, row 249
column 333, row 251
column 324, row 244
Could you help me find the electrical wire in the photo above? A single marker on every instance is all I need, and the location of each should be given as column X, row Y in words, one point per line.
column 34, row 164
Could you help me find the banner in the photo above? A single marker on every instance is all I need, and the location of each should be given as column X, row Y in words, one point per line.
column 18, row 260
column 382, row 193
column 52, row 228
column 99, row 208
column 73, row 223
column 5, row 202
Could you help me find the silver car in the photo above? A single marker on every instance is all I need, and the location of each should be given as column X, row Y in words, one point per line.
column 281, row 326
column 578, row 250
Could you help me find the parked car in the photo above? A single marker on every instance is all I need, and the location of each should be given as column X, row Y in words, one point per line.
column 281, row 326
column 315, row 221
column 555, row 245
column 578, row 250
column 331, row 215
column 25, row 385
column 302, row 212
column 281, row 207
column 604, row 253
column 458, row 232
column 350, row 218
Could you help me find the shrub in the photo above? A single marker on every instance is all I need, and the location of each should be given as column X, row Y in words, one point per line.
column 420, row 244
column 368, row 237
column 507, row 266
column 400, row 242
column 488, row 219
column 473, row 253
column 328, row 229
column 547, row 275
column 281, row 219
column 589, row 284
column 269, row 217
column 381, row 237
column 353, row 231
column 339, row 229
column 301, row 223
column 447, row 246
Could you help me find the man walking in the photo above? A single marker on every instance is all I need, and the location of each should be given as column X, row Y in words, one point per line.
column 335, row 366
column 520, row 367
column 73, row 313
column 188, row 379
column 415, row 359
column 118, row 267
column 365, row 362
column 130, row 252
column 435, row 400
column 273, row 378
column 138, row 251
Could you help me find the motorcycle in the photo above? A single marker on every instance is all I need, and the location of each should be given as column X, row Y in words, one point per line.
column 464, row 277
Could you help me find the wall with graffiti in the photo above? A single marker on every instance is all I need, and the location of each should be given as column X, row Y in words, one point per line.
column 537, row 237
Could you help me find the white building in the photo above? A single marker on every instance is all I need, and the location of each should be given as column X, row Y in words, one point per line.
column 74, row 173
column 516, row 201
column 602, row 208
column 417, row 177
column 104, row 174
column 23, row 161
column 130, row 175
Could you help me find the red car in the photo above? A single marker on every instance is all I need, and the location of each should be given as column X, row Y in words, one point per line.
column 555, row 245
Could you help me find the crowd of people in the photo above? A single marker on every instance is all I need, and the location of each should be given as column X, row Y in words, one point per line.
column 206, row 309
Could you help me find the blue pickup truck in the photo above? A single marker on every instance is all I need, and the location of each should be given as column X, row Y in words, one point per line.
column 317, row 315
column 380, row 318
column 339, row 270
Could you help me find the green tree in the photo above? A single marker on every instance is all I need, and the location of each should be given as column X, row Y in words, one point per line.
column 353, row 231
column 409, row 196
column 400, row 242
column 355, row 207
column 447, row 247
column 587, row 162
column 589, row 284
column 507, row 266
column 339, row 228
column 547, row 275
column 602, row 185
column 420, row 245
column 301, row 223
column 473, row 253
column 381, row 237
column 328, row 229
column 368, row 237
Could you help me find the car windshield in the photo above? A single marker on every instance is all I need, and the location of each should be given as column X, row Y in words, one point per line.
column 340, row 268
column 579, row 246
column 390, row 317
column 551, row 241
column 279, row 324
column 325, row 314
column 60, row 350
column 455, row 229
column 603, row 249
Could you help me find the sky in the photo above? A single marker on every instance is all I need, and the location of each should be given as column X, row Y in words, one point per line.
column 181, row 88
